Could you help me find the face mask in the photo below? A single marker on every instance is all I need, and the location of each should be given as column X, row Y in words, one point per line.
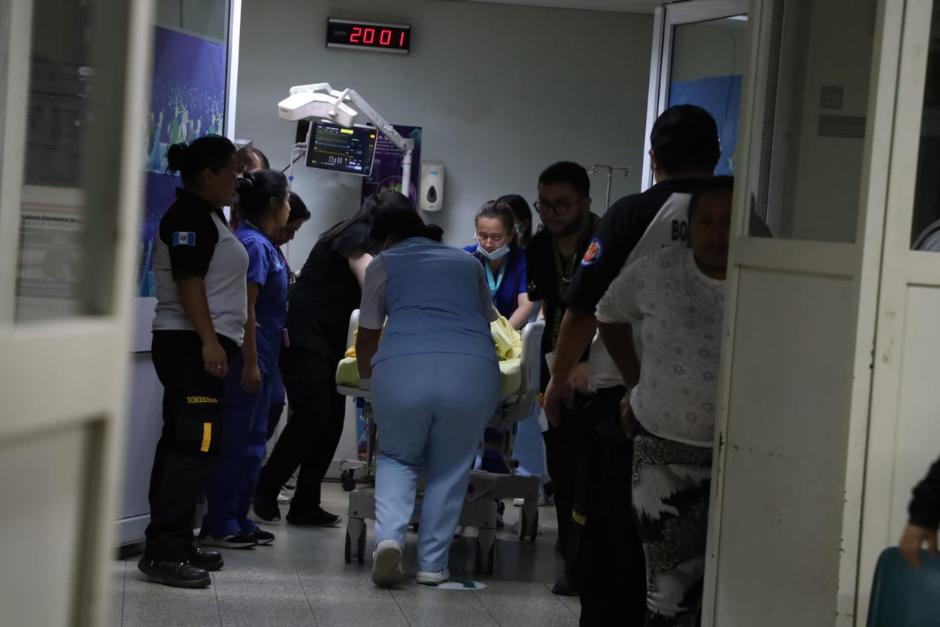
column 496, row 255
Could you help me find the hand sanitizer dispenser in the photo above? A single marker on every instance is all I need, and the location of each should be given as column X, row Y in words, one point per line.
column 431, row 194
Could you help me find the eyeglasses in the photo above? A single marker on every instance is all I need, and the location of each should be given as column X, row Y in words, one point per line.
column 496, row 239
column 560, row 208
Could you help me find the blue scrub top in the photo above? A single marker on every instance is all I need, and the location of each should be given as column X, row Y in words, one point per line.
column 266, row 267
column 514, row 282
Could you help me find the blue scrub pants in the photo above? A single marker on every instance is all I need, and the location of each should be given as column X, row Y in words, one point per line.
column 430, row 410
column 231, row 485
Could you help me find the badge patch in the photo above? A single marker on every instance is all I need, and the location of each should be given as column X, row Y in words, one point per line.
column 184, row 238
column 593, row 253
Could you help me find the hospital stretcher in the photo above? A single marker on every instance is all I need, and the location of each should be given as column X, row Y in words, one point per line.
column 485, row 494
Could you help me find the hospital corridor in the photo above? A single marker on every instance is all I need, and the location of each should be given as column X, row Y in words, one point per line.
column 443, row 313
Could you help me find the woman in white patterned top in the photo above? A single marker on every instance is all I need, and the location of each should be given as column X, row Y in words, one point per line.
column 661, row 322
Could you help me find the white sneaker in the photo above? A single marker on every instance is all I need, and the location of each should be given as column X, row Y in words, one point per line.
column 426, row 578
column 386, row 564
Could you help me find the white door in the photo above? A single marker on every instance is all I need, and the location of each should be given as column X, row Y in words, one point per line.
column 700, row 55
column 905, row 415
column 792, row 425
column 72, row 97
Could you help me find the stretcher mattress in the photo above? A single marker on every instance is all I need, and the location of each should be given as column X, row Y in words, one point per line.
column 347, row 375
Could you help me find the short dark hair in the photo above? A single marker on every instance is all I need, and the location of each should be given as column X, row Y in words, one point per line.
column 521, row 211
column 395, row 216
column 685, row 137
column 247, row 154
column 211, row 152
column 708, row 186
column 568, row 172
column 256, row 191
column 298, row 210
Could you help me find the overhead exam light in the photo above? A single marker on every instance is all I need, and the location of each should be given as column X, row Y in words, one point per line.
column 319, row 101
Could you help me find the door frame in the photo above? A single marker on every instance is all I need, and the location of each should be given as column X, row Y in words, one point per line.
column 860, row 261
column 71, row 373
column 665, row 19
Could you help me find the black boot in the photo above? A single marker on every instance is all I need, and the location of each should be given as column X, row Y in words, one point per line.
column 175, row 574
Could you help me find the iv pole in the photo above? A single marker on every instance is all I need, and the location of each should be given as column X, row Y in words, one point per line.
column 610, row 169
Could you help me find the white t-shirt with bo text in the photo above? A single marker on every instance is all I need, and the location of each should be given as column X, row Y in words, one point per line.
column 676, row 312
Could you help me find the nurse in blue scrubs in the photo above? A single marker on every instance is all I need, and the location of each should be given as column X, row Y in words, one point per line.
column 264, row 209
column 435, row 383
column 504, row 263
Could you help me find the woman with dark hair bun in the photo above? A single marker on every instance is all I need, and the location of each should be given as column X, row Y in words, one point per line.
column 200, row 268
column 263, row 201
column 435, row 386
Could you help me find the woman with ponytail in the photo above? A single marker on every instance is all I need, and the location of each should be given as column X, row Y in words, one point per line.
column 264, row 210
column 199, row 266
column 435, row 386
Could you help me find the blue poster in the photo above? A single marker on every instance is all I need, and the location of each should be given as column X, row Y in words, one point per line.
column 187, row 101
column 721, row 97
column 386, row 168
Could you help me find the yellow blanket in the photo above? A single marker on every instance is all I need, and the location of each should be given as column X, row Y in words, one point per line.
column 506, row 340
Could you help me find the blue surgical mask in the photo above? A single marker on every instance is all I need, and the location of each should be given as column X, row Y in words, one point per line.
column 496, row 255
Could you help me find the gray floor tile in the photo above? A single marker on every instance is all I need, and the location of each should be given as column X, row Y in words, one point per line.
column 252, row 597
column 147, row 604
column 430, row 607
column 350, row 599
column 303, row 580
column 526, row 603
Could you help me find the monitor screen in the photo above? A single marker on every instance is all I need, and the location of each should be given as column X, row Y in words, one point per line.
column 334, row 147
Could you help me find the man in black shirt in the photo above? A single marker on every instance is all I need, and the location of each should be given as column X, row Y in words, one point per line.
column 611, row 569
column 564, row 205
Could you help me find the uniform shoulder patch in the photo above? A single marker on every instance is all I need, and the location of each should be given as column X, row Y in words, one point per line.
column 593, row 253
column 183, row 238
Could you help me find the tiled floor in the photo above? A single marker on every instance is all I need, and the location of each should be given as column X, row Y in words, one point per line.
column 303, row 581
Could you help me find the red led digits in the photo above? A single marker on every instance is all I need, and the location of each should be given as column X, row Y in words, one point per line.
column 356, row 35
column 368, row 36
column 385, row 37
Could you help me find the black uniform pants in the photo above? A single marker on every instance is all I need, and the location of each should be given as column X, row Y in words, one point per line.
column 314, row 426
column 564, row 449
column 192, row 409
column 607, row 559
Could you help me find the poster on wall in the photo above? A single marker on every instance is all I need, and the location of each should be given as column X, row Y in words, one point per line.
column 386, row 168
column 187, row 101
column 721, row 97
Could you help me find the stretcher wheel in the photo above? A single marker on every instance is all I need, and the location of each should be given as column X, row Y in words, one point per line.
column 485, row 552
column 360, row 542
column 362, row 547
column 529, row 527
column 348, row 479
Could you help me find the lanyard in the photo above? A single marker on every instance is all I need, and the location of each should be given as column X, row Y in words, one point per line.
column 495, row 282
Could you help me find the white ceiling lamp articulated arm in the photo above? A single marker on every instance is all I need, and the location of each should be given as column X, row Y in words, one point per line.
column 320, row 101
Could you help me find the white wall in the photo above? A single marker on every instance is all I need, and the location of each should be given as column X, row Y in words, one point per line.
column 495, row 88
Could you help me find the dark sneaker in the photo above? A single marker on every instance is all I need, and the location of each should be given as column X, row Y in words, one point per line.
column 318, row 518
column 262, row 537
column 175, row 574
column 206, row 560
column 266, row 508
column 234, row 541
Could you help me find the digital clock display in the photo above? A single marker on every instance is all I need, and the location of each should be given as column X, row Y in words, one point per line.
column 368, row 36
